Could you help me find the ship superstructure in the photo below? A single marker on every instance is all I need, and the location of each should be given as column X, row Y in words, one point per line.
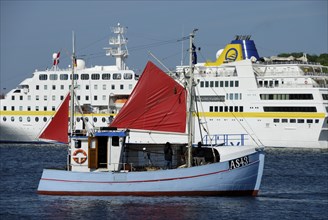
column 282, row 103
column 100, row 91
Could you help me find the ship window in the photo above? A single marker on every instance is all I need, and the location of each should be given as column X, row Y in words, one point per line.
column 231, row 83
column 44, row 119
column 117, row 76
column 316, row 121
column 206, row 84
column 53, row 77
column 230, row 108
column 216, row 108
column 45, row 87
column 94, row 119
column 4, row 118
column 106, row 76
column 36, row 97
column 95, row 98
column 113, row 87
column 276, row 120
column 21, row 97
column 37, row 87
column 104, row 87
column 63, row 77
column 127, row 75
column 236, row 109
column 53, row 87
column 53, row 98
column 36, row 119
column 201, row 84
column 221, row 83
column 95, row 76
column 61, row 97
column 236, row 83
column 211, row 84
column 86, row 119
column 226, row 83
column 231, row 96
column 300, row 120
column 95, row 87
column 103, row 119
column 78, row 97
column 211, row 108
column 36, row 108
column 121, row 87
column 87, row 97
column 310, row 121
column 43, row 77
column 225, row 108
column 12, row 118
column 76, row 77
column 221, row 108
column 20, row 119
column 12, row 108
column 115, row 141
column 12, row 97
column 241, row 108
column 325, row 96
column 84, row 76
column 261, row 83
column 216, row 83
column 292, row 120
column 104, row 97
column 87, row 87
column 53, row 108
column 45, row 108
column 20, row 108
column 5, row 108
column 28, row 119
column 28, row 108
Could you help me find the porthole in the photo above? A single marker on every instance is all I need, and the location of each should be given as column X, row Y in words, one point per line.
column 78, row 119
column 28, row 119
column 103, row 119
column 4, row 118
column 44, row 119
column 12, row 118
column 20, row 119
column 36, row 119
column 94, row 119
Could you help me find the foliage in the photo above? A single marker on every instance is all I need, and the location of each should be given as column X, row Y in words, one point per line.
column 322, row 58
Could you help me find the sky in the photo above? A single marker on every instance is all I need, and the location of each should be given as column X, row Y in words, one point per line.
column 31, row 31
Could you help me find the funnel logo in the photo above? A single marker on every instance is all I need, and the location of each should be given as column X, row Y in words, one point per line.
column 231, row 54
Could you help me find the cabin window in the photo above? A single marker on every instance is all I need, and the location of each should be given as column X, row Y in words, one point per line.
column 44, row 108
column 43, row 77
column 95, row 98
column 36, row 97
column 12, row 108
column 221, row 108
column 36, row 108
column 5, row 108
column 95, row 87
column 216, row 84
column 121, row 87
column 53, row 98
column 221, row 83
column 12, row 97
column 45, row 87
column 103, row 119
column 78, row 119
column 77, row 144
column 94, row 119
column 310, row 121
column 37, row 87
column 211, row 84
column 225, row 108
column 211, row 108
column 4, row 118
column 127, row 75
column 28, row 108
column 36, row 119
column 95, row 76
column 87, row 97
column 61, row 97
column 63, row 77
column 62, row 87
column 12, row 118
column 241, row 108
column 104, row 87
column 86, row 119
column 78, row 97
column 316, row 121
column 117, row 76
column 76, row 77
column 53, row 77
column 216, row 108
column 230, row 108
column 44, row 119
column 106, row 76
column 28, row 97
column 292, row 120
column 236, row 108
column 201, row 84
column 84, row 76
column 231, row 83
column 20, row 119
column 300, row 120
column 104, row 97
column 87, row 87
column 21, row 97
column 115, row 141
column 53, row 87
column 53, row 108
column 206, row 84
column 113, row 87
column 28, row 119
column 276, row 120
column 236, row 83
column 226, row 83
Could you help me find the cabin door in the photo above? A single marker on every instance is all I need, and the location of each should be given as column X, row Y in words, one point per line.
column 102, row 152
column 93, row 153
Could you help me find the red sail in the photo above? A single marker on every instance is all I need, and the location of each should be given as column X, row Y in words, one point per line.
column 157, row 103
column 57, row 129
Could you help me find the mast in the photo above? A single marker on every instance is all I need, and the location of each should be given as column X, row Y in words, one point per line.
column 191, row 90
column 72, row 87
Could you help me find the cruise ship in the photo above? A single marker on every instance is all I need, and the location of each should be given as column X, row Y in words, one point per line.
column 274, row 102
column 245, row 98
column 100, row 91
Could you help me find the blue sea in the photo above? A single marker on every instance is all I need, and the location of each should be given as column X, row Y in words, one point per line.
column 294, row 186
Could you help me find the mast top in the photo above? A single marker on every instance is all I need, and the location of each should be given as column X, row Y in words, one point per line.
column 119, row 49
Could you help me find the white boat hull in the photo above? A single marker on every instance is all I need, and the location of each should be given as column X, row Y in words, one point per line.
column 211, row 179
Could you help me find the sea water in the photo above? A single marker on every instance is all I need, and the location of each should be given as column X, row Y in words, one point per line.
column 294, row 186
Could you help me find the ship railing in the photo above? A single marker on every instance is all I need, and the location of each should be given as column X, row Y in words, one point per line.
column 225, row 139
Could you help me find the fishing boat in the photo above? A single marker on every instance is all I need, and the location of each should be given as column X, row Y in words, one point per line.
column 107, row 162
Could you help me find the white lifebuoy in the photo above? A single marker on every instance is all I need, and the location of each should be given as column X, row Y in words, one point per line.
column 80, row 159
